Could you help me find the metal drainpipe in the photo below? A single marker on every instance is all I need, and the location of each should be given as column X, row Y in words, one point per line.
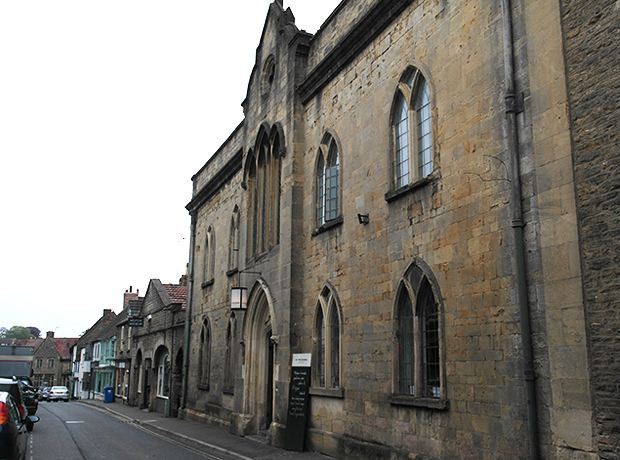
column 188, row 310
column 517, row 228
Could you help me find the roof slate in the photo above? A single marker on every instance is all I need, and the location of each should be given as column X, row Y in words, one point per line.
column 63, row 345
column 99, row 330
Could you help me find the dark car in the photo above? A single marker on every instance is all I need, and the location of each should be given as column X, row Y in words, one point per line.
column 45, row 392
column 31, row 398
column 13, row 431
column 22, row 399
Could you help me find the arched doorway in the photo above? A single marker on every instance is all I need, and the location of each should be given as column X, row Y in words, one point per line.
column 162, row 373
column 260, row 357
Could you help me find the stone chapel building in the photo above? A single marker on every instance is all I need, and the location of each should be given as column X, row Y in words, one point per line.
column 399, row 202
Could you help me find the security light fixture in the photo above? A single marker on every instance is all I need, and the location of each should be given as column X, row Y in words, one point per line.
column 363, row 218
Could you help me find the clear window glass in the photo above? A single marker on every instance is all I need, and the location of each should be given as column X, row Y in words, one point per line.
column 418, row 337
column 163, row 376
column 328, row 181
column 413, row 154
column 425, row 144
column 401, row 136
column 326, row 357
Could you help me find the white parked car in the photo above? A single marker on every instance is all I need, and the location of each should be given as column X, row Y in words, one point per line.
column 58, row 393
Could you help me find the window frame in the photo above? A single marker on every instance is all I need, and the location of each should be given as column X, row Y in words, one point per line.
column 421, row 162
column 230, row 361
column 140, row 371
column 327, row 331
column 209, row 257
column 328, row 183
column 424, row 385
column 163, row 374
column 263, row 179
column 233, row 243
column 204, row 356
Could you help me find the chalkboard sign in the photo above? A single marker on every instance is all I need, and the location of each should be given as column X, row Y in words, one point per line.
column 298, row 403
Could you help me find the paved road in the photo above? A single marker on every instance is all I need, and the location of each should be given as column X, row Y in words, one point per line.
column 73, row 431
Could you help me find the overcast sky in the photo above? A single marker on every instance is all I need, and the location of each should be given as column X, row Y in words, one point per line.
column 107, row 109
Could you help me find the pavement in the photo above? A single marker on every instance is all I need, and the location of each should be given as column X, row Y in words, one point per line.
column 216, row 442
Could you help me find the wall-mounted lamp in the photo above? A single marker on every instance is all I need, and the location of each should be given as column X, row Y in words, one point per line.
column 238, row 298
column 363, row 218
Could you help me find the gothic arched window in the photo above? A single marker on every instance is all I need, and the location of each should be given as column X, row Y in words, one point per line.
column 263, row 180
column 418, row 335
column 412, row 129
column 328, row 181
column 204, row 352
column 327, row 338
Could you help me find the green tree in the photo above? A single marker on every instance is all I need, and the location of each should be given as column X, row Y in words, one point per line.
column 17, row 332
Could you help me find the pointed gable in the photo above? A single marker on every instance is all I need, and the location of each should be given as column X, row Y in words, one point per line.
column 63, row 345
column 164, row 296
column 98, row 330
column 277, row 32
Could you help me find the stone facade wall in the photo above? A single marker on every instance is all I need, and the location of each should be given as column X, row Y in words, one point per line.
column 47, row 352
column 456, row 223
column 163, row 328
column 592, row 53
column 211, row 303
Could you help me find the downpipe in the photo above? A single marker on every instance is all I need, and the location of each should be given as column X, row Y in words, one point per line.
column 517, row 229
column 188, row 311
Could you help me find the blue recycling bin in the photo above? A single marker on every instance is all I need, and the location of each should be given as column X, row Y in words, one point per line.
column 108, row 395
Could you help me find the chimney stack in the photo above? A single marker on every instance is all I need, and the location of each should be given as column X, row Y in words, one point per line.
column 129, row 295
column 50, row 334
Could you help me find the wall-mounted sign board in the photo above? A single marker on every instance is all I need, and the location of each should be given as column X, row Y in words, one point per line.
column 135, row 322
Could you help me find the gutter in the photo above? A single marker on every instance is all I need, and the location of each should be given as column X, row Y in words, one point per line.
column 512, row 144
column 188, row 311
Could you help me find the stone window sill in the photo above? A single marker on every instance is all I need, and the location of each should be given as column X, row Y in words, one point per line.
column 203, row 387
column 412, row 401
column 328, row 225
column 394, row 195
column 206, row 284
column 327, row 392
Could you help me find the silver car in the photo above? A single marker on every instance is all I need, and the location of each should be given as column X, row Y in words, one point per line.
column 58, row 393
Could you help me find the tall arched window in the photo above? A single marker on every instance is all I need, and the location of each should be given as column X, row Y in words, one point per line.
column 328, row 181
column 163, row 374
column 209, row 256
column 229, row 369
column 233, row 243
column 412, row 129
column 140, row 370
column 263, row 180
column 327, row 337
column 418, row 335
column 320, row 348
column 204, row 355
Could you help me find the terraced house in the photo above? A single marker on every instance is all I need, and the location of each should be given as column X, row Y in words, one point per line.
column 399, row 202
